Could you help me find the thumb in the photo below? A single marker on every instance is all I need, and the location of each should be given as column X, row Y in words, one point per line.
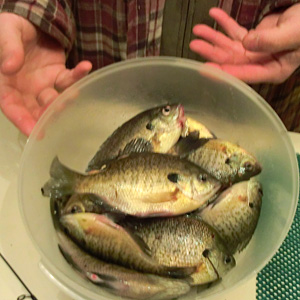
column 11, row 45
column 273, row 40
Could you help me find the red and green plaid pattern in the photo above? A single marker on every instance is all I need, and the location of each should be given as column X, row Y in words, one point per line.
column 107, row 31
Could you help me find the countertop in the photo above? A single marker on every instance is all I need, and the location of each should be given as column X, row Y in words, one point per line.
column 20, row 273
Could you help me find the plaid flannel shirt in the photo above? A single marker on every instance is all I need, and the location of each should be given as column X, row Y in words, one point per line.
column 107, row 31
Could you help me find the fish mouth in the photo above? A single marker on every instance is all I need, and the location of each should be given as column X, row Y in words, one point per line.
column 181, row 116
column 245, row 174
column 257, row 168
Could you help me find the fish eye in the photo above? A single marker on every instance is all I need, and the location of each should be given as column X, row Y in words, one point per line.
column 248, row 166
column 103, row 167
column 66, row 231
column 55, row 208
column 227, row 260
column 149, row 126
column 205, row 253
column 202, row 177
column 251, row 205
column 227, row 161
column 166, row 110
column 76, row 209
column 173, row 177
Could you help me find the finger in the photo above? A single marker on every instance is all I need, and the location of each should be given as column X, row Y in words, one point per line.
column 274, row 40
column 47, row 96
column 253, row 73
column 222, row 49
column 211, row 53
column 67, row 77
column 230, row 26
column 212, row 36
column 30, row 103
column 11, row 47
column 18, row 114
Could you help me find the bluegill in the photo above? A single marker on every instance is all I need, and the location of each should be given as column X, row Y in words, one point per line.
column 142, row 184
column 154, row 130
column 234, row 214
column 103, row 238
column 186, row 242
column 226, row 161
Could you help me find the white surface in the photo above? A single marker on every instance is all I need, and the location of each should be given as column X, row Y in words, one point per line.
column 11, row 286
column 16, row 246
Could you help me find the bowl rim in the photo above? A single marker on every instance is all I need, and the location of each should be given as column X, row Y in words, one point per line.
column 202, row 68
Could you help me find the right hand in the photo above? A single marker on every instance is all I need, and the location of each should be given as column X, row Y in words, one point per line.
column 270, row 53
column 32, row 71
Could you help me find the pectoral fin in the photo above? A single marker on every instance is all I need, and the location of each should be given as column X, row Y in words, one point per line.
column 137, row 145
column 188, row 144
column 110, row 220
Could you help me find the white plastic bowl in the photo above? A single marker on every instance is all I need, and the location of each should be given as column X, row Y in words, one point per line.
column 77, row 123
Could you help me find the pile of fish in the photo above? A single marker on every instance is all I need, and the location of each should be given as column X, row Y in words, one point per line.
column 163, row 206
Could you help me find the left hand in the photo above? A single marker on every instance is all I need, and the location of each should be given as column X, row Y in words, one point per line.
column 269, row 53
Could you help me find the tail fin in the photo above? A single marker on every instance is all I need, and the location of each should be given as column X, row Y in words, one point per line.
column 62, row 181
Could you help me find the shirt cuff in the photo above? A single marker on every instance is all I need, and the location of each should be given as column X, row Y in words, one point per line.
column 54, row 18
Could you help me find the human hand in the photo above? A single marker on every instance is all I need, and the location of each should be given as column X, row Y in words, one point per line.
column 32, row 71
column 268, row 53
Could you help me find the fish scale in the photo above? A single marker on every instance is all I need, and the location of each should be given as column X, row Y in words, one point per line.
column 165, row 238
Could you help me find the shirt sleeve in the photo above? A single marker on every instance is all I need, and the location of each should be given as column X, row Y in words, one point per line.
column 54, row 17
column 269, row 6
